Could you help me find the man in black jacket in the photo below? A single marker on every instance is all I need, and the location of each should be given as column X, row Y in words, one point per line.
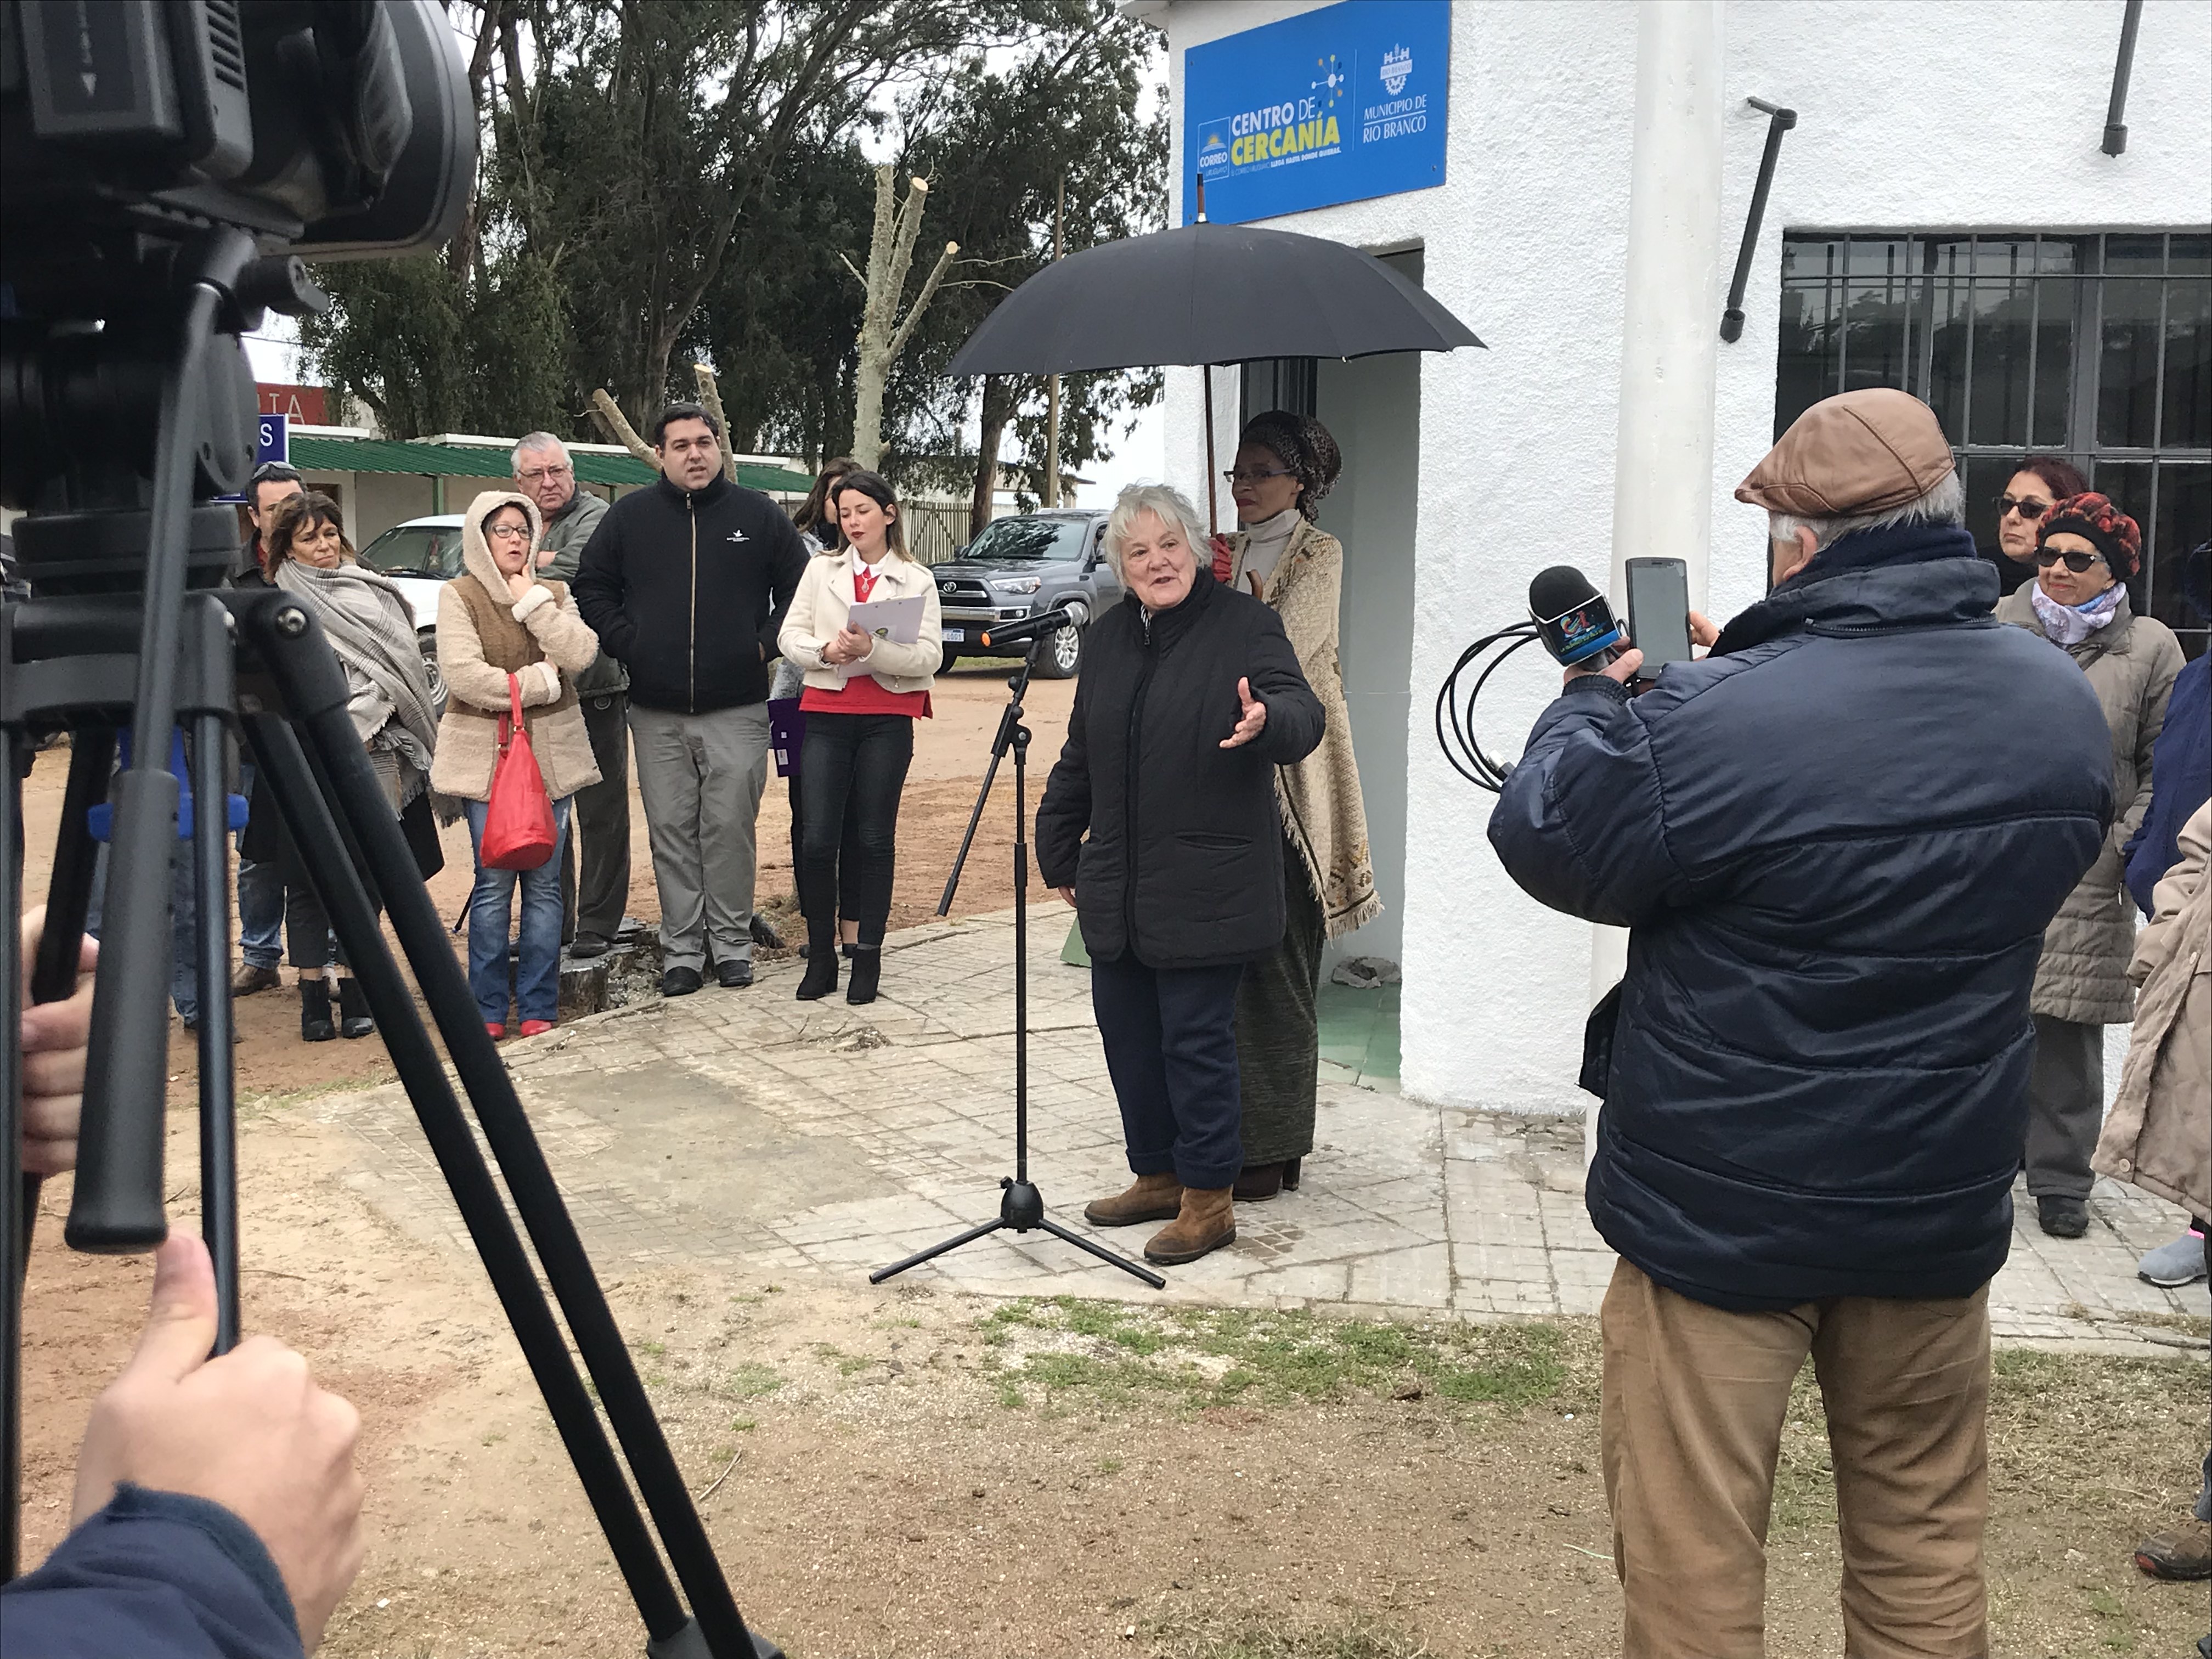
column 686, row 582
column 1837, row 852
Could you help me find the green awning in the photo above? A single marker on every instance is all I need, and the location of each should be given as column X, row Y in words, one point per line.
column 471, row 461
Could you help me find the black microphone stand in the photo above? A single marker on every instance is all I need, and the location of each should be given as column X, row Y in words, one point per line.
column 1021, row 1206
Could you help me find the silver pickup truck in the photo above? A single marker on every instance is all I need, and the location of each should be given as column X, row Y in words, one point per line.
column 1019, row 567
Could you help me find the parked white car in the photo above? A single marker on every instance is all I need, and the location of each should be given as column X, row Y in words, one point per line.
column 421, row 556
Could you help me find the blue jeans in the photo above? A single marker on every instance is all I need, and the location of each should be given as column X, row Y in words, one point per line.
column 260, row 898
column 491, row 909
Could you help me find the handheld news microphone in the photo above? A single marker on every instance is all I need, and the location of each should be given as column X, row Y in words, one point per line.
column 1030, row 628
column 1572, row 617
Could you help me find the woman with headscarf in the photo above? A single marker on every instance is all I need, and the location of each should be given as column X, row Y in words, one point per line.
column 503, row 629
column 2087, row 549
column 1284, row 464
column 372, row 633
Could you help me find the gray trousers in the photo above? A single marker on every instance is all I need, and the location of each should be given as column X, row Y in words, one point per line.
column 600, row 817
column 2066, row 1106
column 700, row 776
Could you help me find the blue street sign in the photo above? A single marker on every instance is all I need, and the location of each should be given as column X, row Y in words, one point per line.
column 1332, row 105
column 272, row 442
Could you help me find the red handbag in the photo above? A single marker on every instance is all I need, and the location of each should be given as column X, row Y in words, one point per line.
column 518, row 832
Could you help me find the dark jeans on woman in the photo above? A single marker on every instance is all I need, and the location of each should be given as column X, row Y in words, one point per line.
column 1171, row 1041
column 308, row 940
column 851, row 773
column 2065, row 1107
column 1279, row 1026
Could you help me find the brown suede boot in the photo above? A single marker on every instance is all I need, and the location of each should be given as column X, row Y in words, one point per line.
column 1150, row 1197
column 1206, row 1221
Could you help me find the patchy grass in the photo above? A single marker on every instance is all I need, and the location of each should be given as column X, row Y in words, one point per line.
column 1253, row 1637
column 750, row 1380
column 1114, row 1355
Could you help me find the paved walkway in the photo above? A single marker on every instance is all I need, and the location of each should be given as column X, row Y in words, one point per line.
column 750, row 1133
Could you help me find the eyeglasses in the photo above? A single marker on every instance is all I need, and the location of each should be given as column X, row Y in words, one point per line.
column 538, row 475
column 1245, row 475
column 511, row 532
column 2031, row 509
column 2076, row 562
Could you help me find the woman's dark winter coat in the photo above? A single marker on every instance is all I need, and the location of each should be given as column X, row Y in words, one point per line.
column 1172, row 842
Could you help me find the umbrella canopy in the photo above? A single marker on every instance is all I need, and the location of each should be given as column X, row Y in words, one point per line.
column 1206, row 294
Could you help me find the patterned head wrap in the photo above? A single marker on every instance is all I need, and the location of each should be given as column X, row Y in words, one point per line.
column 2095, row 519
column 1302, row 444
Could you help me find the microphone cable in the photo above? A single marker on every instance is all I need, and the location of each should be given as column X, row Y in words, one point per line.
column 1461, row 746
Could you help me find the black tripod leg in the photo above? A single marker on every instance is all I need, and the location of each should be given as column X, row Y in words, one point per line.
column 315, row 834
column 1102, row 1252
column 19, row 1194
column 211, row 868
column 291, row 643
column 968, row 1238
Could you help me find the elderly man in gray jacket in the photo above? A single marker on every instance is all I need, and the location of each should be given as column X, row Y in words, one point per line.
column 589, row 919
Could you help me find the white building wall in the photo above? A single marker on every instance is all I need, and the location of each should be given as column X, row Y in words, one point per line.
column 1962, row 115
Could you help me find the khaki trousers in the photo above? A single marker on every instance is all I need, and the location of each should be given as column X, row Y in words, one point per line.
column 1693, row 1402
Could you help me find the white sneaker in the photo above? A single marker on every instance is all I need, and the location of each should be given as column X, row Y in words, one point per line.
column 2171, row 1265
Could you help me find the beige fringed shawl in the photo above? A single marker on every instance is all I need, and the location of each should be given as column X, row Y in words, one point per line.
column 1320, row 796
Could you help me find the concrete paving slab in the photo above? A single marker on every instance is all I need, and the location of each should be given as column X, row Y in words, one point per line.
column 764, row 1136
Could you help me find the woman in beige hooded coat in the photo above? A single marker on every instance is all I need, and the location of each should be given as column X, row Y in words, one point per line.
column 502, row 630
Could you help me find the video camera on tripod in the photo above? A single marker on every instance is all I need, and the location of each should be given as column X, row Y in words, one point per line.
column 164, row 166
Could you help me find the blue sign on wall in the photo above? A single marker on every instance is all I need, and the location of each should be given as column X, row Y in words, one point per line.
column 1332, row 105
column 272, row 441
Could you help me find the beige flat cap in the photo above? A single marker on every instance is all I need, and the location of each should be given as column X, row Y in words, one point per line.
column 1859, row 451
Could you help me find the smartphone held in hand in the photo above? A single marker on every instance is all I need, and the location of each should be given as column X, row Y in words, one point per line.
column 1659, row 612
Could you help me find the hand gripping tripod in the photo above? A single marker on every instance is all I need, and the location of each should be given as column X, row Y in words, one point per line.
column 1021, row 1206
column 121, row 642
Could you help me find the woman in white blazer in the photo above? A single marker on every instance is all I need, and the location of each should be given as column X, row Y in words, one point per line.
column 863, row 693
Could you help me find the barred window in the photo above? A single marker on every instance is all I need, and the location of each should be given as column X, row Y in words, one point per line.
column 2097, row 348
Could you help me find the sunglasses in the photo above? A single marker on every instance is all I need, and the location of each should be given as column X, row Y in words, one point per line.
column 2076, row 562
column 2031, row 509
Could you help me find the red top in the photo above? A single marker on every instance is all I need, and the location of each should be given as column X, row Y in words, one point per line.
column 864, row 694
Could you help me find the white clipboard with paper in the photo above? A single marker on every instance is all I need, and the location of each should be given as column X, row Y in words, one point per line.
column 897, row 621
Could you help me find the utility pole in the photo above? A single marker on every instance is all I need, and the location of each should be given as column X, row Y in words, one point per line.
column 1051, row 494
column 1663, row 503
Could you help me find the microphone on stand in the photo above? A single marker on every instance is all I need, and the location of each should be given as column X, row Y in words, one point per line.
column 1028, row 628
column 1573, row 619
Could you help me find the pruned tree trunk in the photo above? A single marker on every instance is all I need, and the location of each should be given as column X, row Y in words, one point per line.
column 998, row 409
column 710, row 394
column 608, row 413
column 883, row 335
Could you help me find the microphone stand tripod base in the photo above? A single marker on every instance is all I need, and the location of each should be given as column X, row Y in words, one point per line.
column 1021, row 1210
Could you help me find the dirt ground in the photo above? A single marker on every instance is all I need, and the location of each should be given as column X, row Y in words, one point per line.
column 915, row 1473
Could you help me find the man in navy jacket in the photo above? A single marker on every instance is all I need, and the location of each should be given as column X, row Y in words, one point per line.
column 1837, row 845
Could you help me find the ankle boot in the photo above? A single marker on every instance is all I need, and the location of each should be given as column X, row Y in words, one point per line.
column 1258, row 1182
column 867, row 974
column 821, row 976
column 353, row 1018
column 1150, row 1197
column 1206, row 1221
column 315, row 1012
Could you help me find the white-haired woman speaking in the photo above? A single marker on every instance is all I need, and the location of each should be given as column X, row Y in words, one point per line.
column 1160, row 825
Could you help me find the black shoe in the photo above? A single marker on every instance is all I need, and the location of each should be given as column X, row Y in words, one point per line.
column 586, row 945
column 734, row 976
column 764, row 933
column 2062, row 1216
column 680, row 981
column 315, row 1025
column 867, row 973
column 821, row 963
column 353, row 1018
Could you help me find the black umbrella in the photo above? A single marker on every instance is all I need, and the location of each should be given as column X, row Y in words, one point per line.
column 1205, row 295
